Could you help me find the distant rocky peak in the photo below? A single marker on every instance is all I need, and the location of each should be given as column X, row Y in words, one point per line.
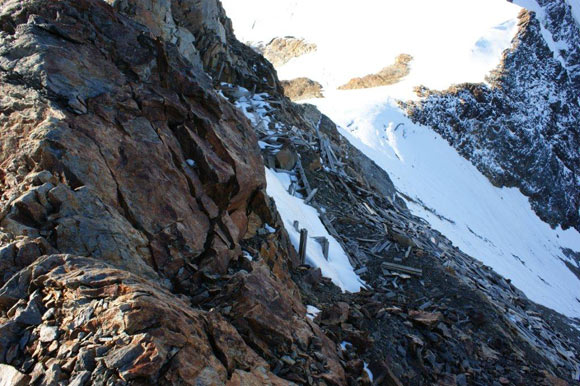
column 522, row 130
column 560, row 30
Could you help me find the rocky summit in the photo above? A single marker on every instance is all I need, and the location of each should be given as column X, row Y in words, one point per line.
column 139, row 244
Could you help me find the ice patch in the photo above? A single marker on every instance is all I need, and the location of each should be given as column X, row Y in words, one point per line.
column 344, row 344
column 247, row 255
column 368, row 371
column 311, row 312
column 269, row 228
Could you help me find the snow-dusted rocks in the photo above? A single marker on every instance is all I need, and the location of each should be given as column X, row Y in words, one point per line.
column 523, row 129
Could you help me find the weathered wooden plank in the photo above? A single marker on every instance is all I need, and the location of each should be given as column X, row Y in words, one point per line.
column 311, row 196
column 403, row 268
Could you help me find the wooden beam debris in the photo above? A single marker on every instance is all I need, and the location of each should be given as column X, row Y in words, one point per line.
column 296, row 225
column 292, row 188
column 311, row 196
column 402, row 268
column 381, row 246
column 303, row 178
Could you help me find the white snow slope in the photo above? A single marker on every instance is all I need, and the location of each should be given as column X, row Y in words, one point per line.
column 292, row 209
column 452, row 41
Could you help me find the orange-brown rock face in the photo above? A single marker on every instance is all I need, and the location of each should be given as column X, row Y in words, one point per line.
column 126, row 187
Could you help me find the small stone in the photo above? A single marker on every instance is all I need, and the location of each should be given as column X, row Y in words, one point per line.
column 69, row 365
column 10, row 376
column 289, row 361
column 286, row 158
column 48, row 333
column 80, row 379
column 504, row 381
column 428, row 319
column 53, row 346
column 52, row 374
column 49, row 314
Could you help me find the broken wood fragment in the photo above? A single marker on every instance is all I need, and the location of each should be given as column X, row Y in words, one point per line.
column 292, row 188
column 366, row 240
column 369, row 209
column 296, row 225
column 403, row 268
column 311, row 196
column 323, row 241
column 303, row 178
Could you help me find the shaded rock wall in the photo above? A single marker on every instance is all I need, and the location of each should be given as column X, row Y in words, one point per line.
column 204, row 35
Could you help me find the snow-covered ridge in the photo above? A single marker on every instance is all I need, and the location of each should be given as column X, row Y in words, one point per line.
column 556, row 46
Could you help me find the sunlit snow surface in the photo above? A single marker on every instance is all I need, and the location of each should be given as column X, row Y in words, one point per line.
column 452, row 42
column 291, row 209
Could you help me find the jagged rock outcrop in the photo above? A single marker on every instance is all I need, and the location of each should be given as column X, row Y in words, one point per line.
column 88, row 321
column 204, row 35
column 523, row 129
column 138, row 245
column 127, row 187
column 389, row 75
column 302, row 88
column 280, row 51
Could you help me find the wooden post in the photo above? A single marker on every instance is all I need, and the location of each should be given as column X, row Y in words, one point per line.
column 303, row 241
column 219, row 75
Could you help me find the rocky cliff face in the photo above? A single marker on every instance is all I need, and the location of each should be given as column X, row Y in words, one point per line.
column 522, row 130
column 204, row 36
column 127, row 187
column 138, row 245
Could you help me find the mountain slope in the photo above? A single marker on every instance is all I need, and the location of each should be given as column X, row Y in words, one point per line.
column 138, row 243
